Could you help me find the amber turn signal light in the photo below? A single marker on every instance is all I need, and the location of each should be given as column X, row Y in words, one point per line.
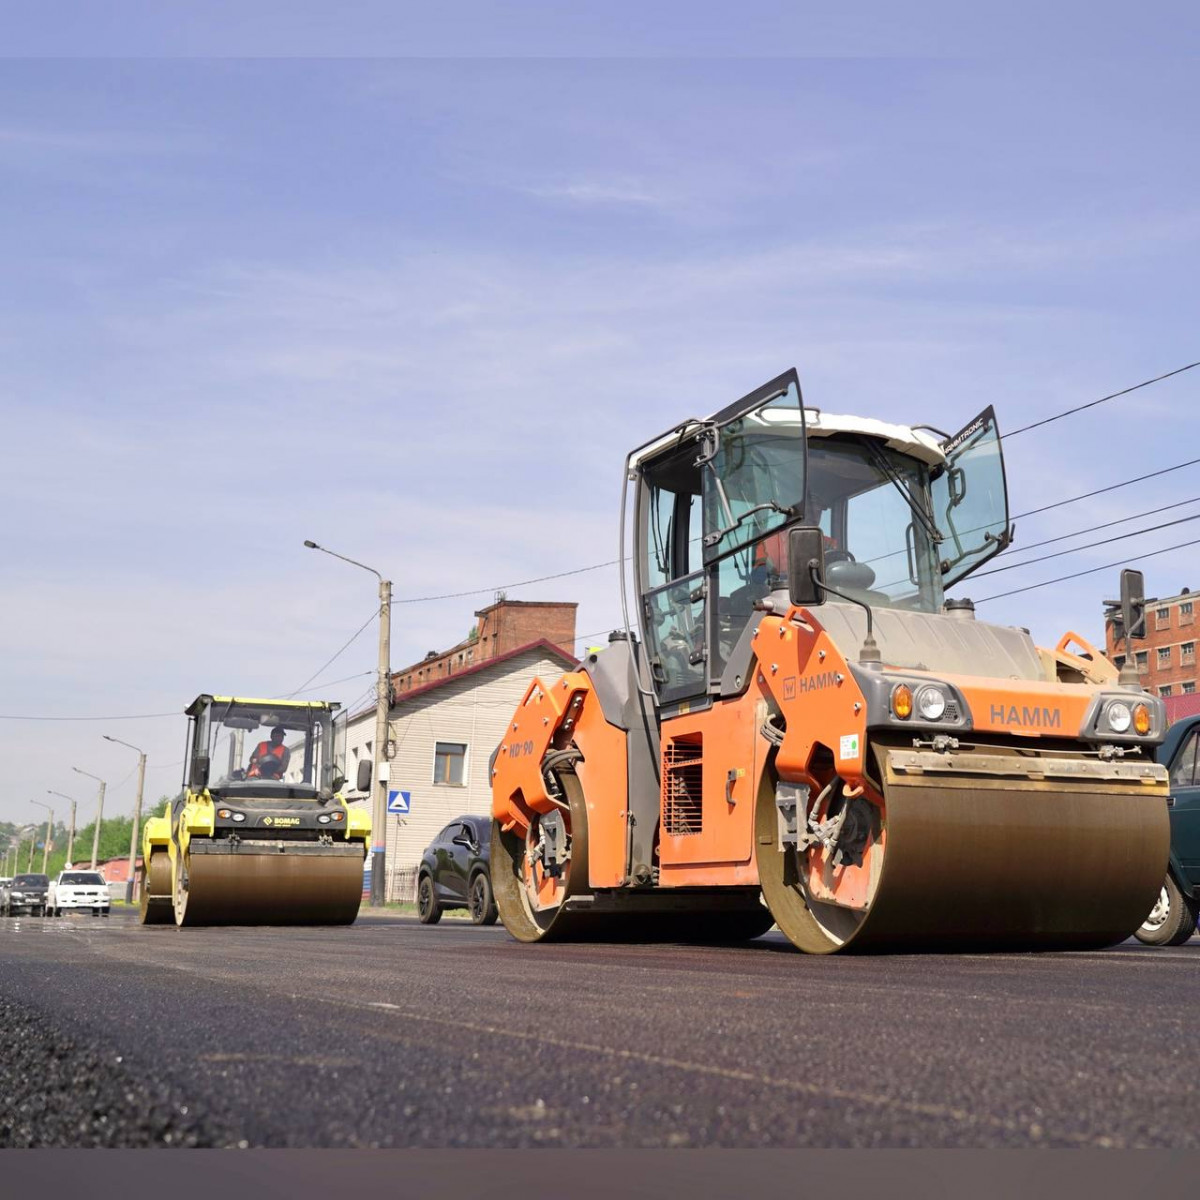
column 902, row 702
column 1141, row 719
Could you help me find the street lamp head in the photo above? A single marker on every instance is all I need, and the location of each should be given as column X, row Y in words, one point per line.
column 311, row 545
column 118, row 742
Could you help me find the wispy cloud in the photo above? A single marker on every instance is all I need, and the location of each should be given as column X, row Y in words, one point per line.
column 94, row 142
column 601, row 191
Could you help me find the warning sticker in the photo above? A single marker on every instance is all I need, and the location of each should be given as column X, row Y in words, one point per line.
column 849, row 746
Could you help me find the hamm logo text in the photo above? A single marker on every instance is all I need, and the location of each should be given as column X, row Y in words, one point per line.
column 1032, row 717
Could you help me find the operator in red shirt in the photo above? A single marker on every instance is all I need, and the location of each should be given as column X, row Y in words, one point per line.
column 270, row 759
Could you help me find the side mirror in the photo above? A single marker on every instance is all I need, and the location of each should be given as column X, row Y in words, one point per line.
column 806, row 550
column 1133, row 603
column 200, row 772
column 337, row 783
column 364, row 775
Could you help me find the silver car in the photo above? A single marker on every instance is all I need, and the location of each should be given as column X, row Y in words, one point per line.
column 26, row 893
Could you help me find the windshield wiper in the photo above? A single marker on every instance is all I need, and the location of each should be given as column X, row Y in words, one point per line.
column 919, row 511
column 711, row 539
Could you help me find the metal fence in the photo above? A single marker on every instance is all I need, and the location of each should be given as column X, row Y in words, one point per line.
column 402, row 886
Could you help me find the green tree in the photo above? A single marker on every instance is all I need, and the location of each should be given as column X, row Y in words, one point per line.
column 114, row 840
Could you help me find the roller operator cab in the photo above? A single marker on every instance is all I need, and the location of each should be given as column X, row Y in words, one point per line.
column 260, row 833
column 802, row 714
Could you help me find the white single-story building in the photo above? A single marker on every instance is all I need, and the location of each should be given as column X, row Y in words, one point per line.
column 442, row 735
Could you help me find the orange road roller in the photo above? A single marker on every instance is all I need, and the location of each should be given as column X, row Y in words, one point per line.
column 797, row 727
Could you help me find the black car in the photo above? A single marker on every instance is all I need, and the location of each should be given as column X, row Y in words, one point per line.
column 455, row 872
column 26, row 893
column 1172, row 920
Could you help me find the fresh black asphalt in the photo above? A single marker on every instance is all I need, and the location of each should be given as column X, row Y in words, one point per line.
column 388, row 1033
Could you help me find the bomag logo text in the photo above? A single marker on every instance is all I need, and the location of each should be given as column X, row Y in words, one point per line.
column 281, row 820
column 1031, row 717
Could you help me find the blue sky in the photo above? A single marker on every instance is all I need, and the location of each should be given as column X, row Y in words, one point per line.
column 418, row 310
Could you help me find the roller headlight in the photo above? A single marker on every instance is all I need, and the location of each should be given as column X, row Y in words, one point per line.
column 323, row 819
column 902, row 701
column 239, row 816
column 931, row 703
column 1119, row 717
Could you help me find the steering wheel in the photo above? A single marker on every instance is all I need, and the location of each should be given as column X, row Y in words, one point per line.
column 837, row 556
column 269, row 767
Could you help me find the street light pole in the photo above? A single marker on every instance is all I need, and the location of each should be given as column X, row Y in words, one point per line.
column 49, row 830
column 71, row 827
column 383, row 690
column 99, row 813
column 137, row 813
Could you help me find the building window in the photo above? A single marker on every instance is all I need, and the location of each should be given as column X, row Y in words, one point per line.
column 1188, row 689
column 1165, row 690
column 1185, row 613
column 1141, row 658
column 449, row 760
column 1187, row 652
column 1119, row 660
column 1163, row 618
column 1164, row 656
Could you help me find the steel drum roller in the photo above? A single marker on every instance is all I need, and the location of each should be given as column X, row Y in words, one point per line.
column 260, row 885
column 972, row 860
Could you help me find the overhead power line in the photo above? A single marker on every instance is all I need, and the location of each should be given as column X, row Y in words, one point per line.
column 328, row 683
column 1063, row 537
column 1103, row 400
column 1112, row 487
column 500, row 587
column 329, row 663
column 1090, row 571
column 1120, row 537
column 125, row 717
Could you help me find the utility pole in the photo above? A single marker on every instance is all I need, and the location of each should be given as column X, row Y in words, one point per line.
column 99, row 813
column 383, row 691
column 71, row 827
column 382, row 706
column 137, row 813
column 49, row 830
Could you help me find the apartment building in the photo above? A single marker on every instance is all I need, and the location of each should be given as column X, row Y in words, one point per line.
column 1166, row 659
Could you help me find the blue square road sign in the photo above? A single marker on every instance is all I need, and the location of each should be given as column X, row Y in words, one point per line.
column 398, row 802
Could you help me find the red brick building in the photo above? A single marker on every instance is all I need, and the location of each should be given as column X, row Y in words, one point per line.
column 1166, row 659
column 500, row 628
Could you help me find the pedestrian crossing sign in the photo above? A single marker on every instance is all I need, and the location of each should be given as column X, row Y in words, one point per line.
column 398, row 802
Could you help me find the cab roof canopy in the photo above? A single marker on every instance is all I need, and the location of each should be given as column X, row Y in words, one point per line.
column 904, row 439
column 204, row 700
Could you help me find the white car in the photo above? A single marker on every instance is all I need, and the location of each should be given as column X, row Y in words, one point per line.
column 78, row 890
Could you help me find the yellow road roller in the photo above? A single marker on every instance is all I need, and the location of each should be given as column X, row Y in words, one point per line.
column 260, row 833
